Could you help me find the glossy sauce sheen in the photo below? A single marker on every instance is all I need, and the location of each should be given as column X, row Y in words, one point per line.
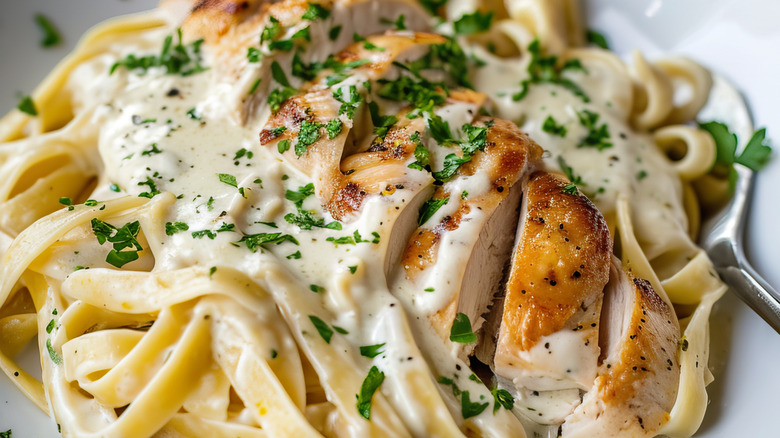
column 180, row 133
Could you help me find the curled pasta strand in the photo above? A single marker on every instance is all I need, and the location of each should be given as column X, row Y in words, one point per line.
column 654, row 94
column 697, row 82
column 613, row 77
column 542, row 19
column 698, row 146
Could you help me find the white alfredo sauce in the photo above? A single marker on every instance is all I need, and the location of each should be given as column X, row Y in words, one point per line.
column 167, row 133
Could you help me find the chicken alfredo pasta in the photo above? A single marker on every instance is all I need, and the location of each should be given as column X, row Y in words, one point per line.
column 350, row 218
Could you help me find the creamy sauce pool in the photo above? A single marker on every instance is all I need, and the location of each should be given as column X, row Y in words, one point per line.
column 173, row 134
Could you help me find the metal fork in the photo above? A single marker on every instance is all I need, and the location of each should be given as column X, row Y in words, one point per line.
column 721, row 235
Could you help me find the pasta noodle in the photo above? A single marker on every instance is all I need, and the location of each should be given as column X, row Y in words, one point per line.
column 185, row 278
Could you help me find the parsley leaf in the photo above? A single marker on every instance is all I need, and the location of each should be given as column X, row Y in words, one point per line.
column 228, row 179
column 333, row 128
column 597, row 39
column 152, row 188
column 334, row 32
column 121, row 238
column 308, row 134
column 421, row 154
column 260, row 240
column 755, row 155
column 55, row 357
column 382, row 124
column 597, row 135
column 432, row 6
column 350, row 102
column 315, row 12
column 543, row 69
column 569, row 172
column 502, row 397
column 283, row 146
column 430, row 207
column 461, row 330
column 551, row 127
column 470, row 24
column 297, row 197
column 370, row 384
column 372, row 351
column 175, row 59
column 322, row 328
column 27, row 106
column 172, row 228
column 271, row 30
column 50, row 35
column 368, row 45
column 470, row 409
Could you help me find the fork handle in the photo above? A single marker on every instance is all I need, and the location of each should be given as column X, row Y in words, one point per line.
column 754, row 291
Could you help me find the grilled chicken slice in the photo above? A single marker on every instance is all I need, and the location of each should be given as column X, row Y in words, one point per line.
column 461, row 249
column 637, row 381
column 341, row 187
column 548, row 336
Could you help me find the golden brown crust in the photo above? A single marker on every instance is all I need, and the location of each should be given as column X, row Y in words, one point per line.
column 561, row 263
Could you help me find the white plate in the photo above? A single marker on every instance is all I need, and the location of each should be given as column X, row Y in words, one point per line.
column 737, row 38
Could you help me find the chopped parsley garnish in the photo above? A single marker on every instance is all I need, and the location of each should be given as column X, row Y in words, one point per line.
column 27, row 106
column 308, row 134
column 476, row 140
column 138, row 120
column 333, row 128
column 461, row 330
column 543, row 69
column 570, row 189
column 470, row 24
column 192, row 114
column 212, row 271
column 432, row 6
column 50, row 35
column 440, row 131
column 422, row 95
column 114, row 188
column 204, row 233
column 502, row 398
column 50, row 326
column 271, row 30
column 66, row 201
column 421, row 153
column 755, row 155
column 316, row 289
column 341, row 330
column 370, row 384
column 350, row 102
column 228, row 179
column 283, row 45
column 642, row 174
column 294, row 256
column 124, row 240
column 175, row 59
column 551, row 127
column 315, row 12
column 322, row 328
column 382, row 124
column 152, row 150
column 254, row 86
column 464, row 195
column 55, row 357
column 598, row 136
column 354, row 239
column 260, row 240
column 152, row 188
column 430, row 207
column 352, row 269
column 305, row 220
column 372, row 351
column 368, row 45
column 576, row 180
column 172, row 228
column 470, row 409
column 278, row 96
column 297, row 197
column 253, row 54
column 283, row 146
column 597, row 39
column 399, row 23
column 334, row 32
column 7, row 434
